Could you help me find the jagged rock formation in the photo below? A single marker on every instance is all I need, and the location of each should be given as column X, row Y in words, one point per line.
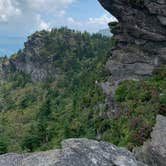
column 75, row 152
column 153, row 152
column 140, row 36
column 32, row 61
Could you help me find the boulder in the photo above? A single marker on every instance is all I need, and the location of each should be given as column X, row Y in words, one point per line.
column 75, row 152
column 140, row 36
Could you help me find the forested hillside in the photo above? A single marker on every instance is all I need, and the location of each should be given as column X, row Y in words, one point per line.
column 37, row 115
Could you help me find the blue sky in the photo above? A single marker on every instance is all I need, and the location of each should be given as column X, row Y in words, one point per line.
column 20, row 18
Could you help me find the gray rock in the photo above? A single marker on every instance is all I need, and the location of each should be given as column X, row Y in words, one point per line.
column 75, row 152
column 140, row 35
column 153, row 152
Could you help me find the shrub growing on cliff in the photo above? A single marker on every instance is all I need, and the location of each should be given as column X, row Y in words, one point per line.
column 140, row 102
column 3, row 147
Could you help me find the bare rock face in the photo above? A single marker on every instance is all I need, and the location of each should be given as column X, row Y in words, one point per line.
column 75, row 152
column 32, row 61
column 153, row 152
column 140, row 35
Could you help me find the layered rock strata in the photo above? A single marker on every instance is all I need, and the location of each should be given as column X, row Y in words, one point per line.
column 140, row 36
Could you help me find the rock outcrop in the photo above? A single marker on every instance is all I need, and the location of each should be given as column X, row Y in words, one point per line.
column 32, row 59
column 153, row 152
column 140, row 35
column 75, row 152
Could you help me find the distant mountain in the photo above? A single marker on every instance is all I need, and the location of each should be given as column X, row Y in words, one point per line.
column 105, row 32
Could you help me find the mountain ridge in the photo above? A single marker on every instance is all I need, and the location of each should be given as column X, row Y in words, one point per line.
column 41, row 106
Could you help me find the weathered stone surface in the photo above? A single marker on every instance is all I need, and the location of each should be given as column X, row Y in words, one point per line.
column 140, row 34
column 31, row 61
column 75, row 152
column 153, row 151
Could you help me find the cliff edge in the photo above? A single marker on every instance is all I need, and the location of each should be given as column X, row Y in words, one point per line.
column 140, row 35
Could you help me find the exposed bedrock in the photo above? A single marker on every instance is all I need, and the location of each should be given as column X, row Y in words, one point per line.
column 140, row 36
column 75, row 152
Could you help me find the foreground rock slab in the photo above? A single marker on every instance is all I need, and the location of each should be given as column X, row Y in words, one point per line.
column 75, row 152
column 153, row 152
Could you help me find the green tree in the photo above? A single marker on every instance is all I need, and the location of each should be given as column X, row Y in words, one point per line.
column 30, row 142
column 3, row 147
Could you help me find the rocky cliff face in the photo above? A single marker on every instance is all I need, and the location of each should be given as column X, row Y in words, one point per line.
column 75, row 152
column 50, row 54
column 32, row 61
column 140, row 35
column 140, row 38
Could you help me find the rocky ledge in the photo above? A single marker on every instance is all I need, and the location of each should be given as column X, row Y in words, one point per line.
column 75, row 152
column 140, row 36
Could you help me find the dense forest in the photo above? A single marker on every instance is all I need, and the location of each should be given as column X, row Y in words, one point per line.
column 39, row 115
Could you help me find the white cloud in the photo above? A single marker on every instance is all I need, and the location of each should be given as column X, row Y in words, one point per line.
column 8, row 9
column 41, row 24
column 102, row 20
column 12, row 8
column 74, row 22
column 48, row 4
column 31, row 15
